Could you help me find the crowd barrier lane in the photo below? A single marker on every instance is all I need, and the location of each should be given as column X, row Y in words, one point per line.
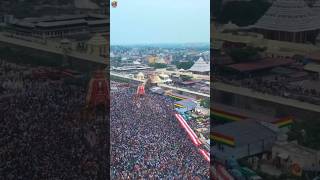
column 193, row 137
column 192, row 132
column 223, row 174
column 194, row 140
column 205, row 154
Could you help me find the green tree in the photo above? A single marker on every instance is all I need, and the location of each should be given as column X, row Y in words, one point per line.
column 246, row 54
column 185, row 77
column 184, row 65
column 116, row 61
column 205, row 103
column 158, row 65
column 312, row 133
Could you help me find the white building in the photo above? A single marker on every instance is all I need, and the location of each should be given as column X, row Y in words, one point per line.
column 289, row 153
column 200, row 67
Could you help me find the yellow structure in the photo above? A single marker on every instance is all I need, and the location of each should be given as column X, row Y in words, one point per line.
column 98, row 46
column 152, row 59
column 155, row 79
column 140, row 76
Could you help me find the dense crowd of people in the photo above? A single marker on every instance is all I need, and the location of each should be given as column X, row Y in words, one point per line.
column 147, row 141
column 41, row 134
column 279, row 86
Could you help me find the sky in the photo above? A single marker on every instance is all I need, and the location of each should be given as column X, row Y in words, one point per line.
column 160, row 21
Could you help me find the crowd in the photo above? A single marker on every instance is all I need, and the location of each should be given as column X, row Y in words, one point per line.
column 278, row 86
column 41, row 134
column 147, row 142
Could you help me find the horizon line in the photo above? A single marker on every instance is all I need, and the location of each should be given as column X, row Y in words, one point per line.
column 160, row 43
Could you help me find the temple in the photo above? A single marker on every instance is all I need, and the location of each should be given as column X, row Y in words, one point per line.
column 63, row 26
column 200, row 67
column 289, row 20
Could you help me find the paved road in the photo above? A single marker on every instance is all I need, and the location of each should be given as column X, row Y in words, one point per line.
column 164, row 85
column 196, row 76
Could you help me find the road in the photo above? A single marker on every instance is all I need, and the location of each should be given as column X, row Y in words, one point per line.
column 196, row 76
column 164, row 86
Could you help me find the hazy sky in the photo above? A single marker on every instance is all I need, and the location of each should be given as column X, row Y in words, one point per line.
column 160, row 21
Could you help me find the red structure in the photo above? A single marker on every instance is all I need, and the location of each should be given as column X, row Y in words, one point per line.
column 98, row 91
column 140, row 90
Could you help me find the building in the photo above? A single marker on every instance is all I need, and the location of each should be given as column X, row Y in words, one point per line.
column 105, row 10
column 155, row 79
column 152, row 59
column 287, row 154
column 98, row 45
column 5, row 19
column 242, row 139
column 289, row 20
column 247, row 68
column 316, row 7
column 63, row 26
column 313, row 68
column 165, row 78
column 140, row 76
column 200, row 67
column 185, row 105
column 222, row 114
column 160, row 61
column 131, row 68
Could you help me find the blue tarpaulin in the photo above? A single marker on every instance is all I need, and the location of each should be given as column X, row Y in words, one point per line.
column 187, row 104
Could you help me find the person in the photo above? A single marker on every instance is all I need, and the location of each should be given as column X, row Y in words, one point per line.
column 147, row 141
column 41, row 135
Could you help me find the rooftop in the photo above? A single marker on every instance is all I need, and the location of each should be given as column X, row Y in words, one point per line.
column 260, row 65
column 312, row 67
column 289, row 16
column 61, row 23
column 200, row 66
column 51, row 21
column 245, row 132
column 245, row 114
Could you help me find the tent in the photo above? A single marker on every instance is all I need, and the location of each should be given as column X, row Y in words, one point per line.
column 186, row 104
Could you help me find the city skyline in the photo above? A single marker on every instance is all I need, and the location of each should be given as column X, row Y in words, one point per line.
column 160, row 22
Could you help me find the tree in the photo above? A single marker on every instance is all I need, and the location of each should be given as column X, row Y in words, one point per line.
column 184, row 65
column 116, row 61
column 246, row 54
column 158, row 65
column 148, row 84
column 205, row 103
column 311, row 136
column 185, row 77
